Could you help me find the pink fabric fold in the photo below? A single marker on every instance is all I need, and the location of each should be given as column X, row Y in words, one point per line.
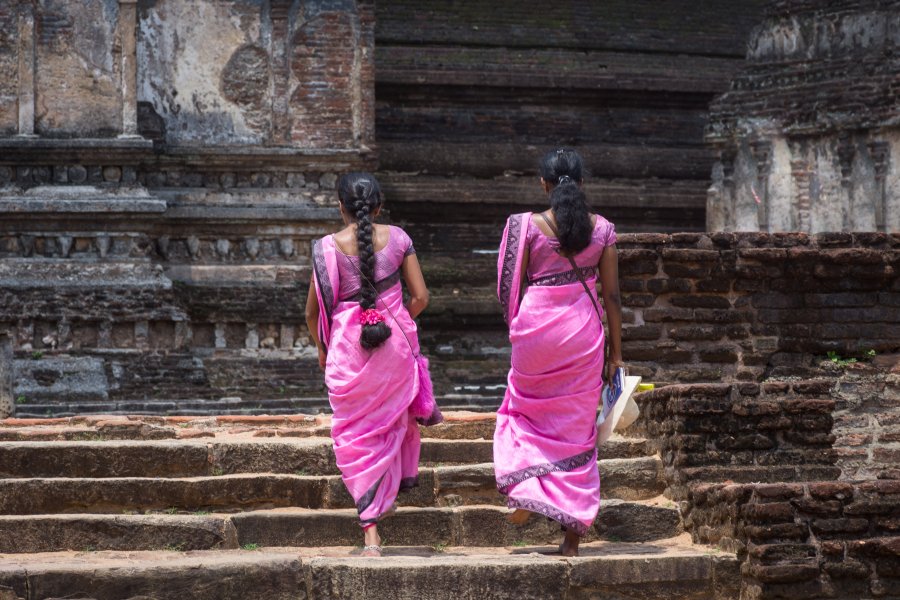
column 376, row 439
column 545, row 456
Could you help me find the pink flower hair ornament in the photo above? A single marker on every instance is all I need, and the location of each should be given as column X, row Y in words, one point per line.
column 370, row 316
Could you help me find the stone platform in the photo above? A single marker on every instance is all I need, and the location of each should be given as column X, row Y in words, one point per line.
column 219, row 507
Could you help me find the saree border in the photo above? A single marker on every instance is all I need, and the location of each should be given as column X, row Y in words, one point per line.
column 566, row 464
column 564, row 277
column 510, row 256
column 366, row 499
column 381, row 286
column 322, row 276
column 408, row 483
column 551, row 512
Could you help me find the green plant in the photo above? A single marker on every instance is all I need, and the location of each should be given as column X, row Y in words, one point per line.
column 89, row 549
column 250, row 547
column 281, row 389
column 440, row 548
column 838, row 360
column 37, row 355
column 519, row 543
column 21, row 400
column 871, row 353
column 301, row 472
column 201, row 513
column 171, row 510
column 218, row 472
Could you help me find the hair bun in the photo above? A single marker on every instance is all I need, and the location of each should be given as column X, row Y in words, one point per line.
column 563, row 179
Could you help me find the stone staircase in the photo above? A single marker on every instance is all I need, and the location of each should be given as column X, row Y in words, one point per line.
column 242, row 506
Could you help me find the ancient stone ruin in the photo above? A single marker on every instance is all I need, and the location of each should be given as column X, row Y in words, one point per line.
column 807, row 136
column 165, row 164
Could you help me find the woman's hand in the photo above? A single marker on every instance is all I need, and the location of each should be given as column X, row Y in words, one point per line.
column 323, row 356
column 612, row 364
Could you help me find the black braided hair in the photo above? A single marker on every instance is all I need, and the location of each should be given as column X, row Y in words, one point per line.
column 563, row 169
column 360, row 196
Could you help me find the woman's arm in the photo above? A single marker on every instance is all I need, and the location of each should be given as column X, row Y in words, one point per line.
column 415, row 283
column 312, row 321
column 609, row 282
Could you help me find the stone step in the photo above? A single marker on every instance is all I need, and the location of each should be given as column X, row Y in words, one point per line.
column 631, row 479
column 605, row 570
column 224, row 456
column 35, row 408
column 481, row 526
column 456, row 425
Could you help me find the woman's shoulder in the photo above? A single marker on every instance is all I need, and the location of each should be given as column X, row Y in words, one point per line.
column 399, row 238
column 604, row 230
column 397, row 232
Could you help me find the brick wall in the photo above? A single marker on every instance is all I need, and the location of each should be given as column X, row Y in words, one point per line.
column 744, row 306
column 740, row 432
column 867, row 422
column 729, row 451
column 805, row 540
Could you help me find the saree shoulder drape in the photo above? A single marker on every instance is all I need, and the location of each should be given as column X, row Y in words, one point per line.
column 545, row 456
column 376, row 439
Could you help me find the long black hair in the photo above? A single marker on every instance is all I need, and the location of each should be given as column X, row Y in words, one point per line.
column 360, row 196
column 564, row 170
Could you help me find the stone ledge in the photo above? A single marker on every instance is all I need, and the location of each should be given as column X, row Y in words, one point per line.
column 653, row 571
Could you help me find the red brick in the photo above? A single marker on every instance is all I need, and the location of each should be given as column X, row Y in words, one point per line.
column 845, row 256
column 661, row 286
column 700, row 301
column 780, row 531
column 784, row 573
column 832, row 548
column 847, row 569
column 780, row 552
column 768, row 512
column 828, row 490
column 755, row 408
column 656, row 314
column 690, row 255
column 887, row 455
column 13, row 422
column 832, row 526
column 798, row 406
column 697, row 332
column 882, row 506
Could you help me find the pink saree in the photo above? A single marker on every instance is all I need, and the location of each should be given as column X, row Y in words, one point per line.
column 376, row 439
column 545, row 457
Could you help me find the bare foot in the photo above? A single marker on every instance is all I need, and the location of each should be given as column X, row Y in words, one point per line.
column 569, row 547
column 372, row 543
column 519, row 517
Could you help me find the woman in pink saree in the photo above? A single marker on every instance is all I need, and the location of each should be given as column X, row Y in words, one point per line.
column 367, row 343
column 545, row 456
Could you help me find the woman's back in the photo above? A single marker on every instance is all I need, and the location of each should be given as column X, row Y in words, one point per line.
column 387, row 264
column 544, row 263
